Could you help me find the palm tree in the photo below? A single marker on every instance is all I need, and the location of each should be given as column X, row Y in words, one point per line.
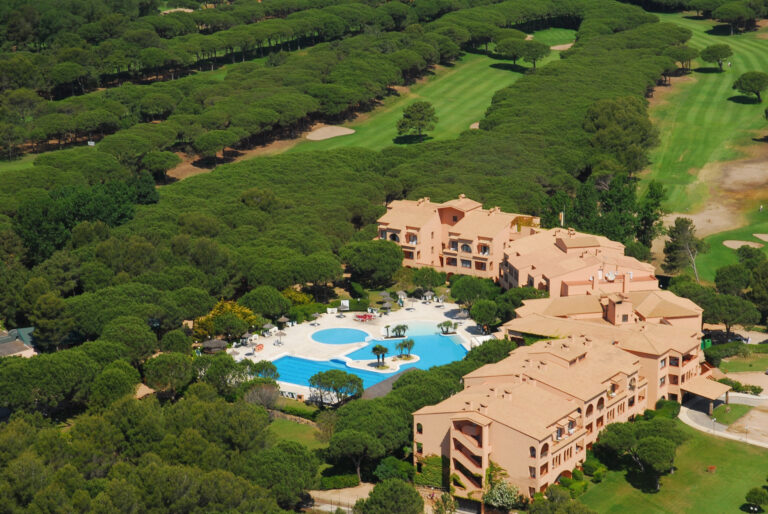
column 445, row 326
column 400, row 347
column 386, row 327
column 399, row 330
column 379, row 351
column 407, row 345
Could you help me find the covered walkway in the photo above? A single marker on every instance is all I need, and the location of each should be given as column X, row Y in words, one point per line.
column 706, row 388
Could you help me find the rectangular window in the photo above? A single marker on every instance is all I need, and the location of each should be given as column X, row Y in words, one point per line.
column 532, row 471
column 662, row 381
column 624, row 318
column 412, row 239
column 466, row 263
column 455, row 246
column 480, row 266
column 451, row 261
column 662, row 363
column 673, row 379
column 383, row 234
column 419, row 448
column 674, row 361
column 455, row 219
column 408, row 255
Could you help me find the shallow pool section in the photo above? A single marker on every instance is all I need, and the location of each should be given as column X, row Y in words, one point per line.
column 340, row 336
column 432, row 348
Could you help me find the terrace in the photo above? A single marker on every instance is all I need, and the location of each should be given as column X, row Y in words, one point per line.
column 311, row 347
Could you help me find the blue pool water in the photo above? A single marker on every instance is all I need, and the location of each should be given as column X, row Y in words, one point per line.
column 433, row 350
column 339, row 336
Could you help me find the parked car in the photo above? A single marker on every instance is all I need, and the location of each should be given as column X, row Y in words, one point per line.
column 720, row 337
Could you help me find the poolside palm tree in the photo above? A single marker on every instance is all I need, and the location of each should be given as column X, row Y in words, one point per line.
column 379, row 351
column 399, row 330
column 407, row 345
column 386, row 327
column 400, row 347
column 445, row 326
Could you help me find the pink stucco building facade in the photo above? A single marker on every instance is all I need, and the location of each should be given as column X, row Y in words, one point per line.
column 534, row 413
column 457, row 236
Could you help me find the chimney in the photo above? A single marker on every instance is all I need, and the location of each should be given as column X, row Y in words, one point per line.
column 594, row 281
column 625, row 284
column 462, row 196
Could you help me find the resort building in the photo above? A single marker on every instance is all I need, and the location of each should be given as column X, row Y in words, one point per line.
column 534, row 414
column 661, row 307
column 568, row 263
column 670, row 356
column 457, row 236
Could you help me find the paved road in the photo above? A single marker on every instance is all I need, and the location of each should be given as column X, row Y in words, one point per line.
column 693, row 414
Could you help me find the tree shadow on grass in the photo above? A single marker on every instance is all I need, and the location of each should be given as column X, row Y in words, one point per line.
column 644, row 482
column 694, row 17
column 410, row 139
column 506, row 66
column 763, row 139
column 748, row 507
column 743, row 99
column 720, row 30
column 708, row 69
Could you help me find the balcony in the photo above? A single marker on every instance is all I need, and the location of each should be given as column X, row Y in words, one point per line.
column 471, row 442
column 472, row 462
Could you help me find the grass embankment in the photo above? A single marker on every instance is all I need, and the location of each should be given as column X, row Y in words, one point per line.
column 460, row 94
column 691, row 488
column 18, row 164
column 285, row 430
column 754, row 362
column 729, row 414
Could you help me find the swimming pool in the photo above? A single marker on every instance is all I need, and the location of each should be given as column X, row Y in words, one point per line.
column 432, row 348
column 340, row 336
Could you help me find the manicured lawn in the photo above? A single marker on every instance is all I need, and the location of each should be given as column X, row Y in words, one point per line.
column 755, row 362
column 703, row 119
column 285, row 430
column 554, row 36
column 729, row 414
column 460, row 94
column 690, row 488
column 295, row 407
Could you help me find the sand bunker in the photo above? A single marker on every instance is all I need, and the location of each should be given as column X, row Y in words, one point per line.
column 561, row 47
column 762, row 237
column 329, row 132
column 734, row 244
column 475, row 125
column 529, row 37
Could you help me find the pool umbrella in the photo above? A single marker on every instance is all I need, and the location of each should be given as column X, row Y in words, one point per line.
column 385, row 294
column 462, row 314
column 316, row 315
column 268, row 326
column 281, row 334
column 283, row 319
column 387, row 305
column 402, row 294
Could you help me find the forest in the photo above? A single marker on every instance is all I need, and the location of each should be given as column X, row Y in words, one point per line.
column 106, row 265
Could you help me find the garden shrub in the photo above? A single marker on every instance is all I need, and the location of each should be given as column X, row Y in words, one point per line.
column 578, row 474
column 666, row 409
column 738, row 387
column 715, row 354
column 598, row 476
column 392, row 467
column 434, row 471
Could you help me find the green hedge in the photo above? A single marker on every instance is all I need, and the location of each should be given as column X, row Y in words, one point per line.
column 339, row 481
column 715, row 354
column 741, row 388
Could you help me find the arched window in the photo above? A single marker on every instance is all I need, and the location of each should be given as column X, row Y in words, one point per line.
column 419, row 428
column 394, row 237
column 533, row 452
column 466, row 248
column 545, row 450
column 600, row 404
column 590, row 409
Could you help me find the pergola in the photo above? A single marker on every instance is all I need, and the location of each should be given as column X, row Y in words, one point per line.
column 706, row 388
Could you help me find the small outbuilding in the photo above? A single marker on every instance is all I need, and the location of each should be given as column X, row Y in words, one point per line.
column 214, row 346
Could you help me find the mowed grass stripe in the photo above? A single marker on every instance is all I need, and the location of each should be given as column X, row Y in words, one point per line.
column 698, row 124
column 460, row 94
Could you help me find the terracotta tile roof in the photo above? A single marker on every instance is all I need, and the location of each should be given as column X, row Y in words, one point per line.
column 561, row 306
column 409, row 213
column 662, row 304
column 651, row 338
column 522, row 406
column 702, row 386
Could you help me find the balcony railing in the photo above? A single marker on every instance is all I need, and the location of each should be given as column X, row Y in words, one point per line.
column 467, row 440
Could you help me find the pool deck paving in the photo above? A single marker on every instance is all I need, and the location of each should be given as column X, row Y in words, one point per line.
column 298, row 340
